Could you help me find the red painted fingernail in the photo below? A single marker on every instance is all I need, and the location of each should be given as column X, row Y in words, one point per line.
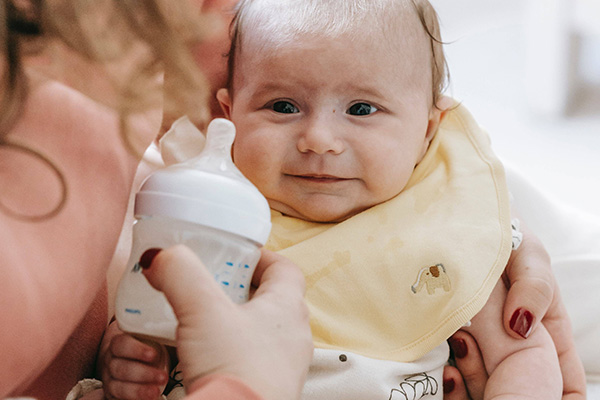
column 147, row 257
column 459, row 348
column 449, row 385
column 522, row 322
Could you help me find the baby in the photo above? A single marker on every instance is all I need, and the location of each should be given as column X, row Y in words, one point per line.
column 383, row 191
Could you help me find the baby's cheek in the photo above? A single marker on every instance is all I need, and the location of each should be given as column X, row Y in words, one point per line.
column 252, row 166
column 252, row 152
column 385, row 187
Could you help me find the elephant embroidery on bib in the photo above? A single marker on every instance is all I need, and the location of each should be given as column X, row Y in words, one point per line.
column 432, row 278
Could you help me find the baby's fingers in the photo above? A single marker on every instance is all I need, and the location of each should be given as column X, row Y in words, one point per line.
column 119, row 390
column 126, row 346
column 125, row 379
column 134, row 369
column 135, row 372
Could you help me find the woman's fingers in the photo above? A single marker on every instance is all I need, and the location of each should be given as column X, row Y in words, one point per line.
column 469, row 362
column 558, row 324
column 454, row 387
column 531, row 285
column 533, row 298
column 275, row 273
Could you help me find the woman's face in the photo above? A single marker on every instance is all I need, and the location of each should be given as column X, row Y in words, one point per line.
column 211, row 53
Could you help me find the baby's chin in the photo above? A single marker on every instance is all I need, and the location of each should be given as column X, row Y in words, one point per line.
column 315, row 214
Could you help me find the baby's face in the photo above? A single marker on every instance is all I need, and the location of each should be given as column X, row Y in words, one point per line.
column 329, row 128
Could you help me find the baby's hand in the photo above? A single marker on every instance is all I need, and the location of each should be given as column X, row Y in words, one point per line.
column 134, row 370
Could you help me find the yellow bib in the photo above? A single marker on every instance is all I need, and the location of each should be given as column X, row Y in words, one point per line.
column 396, row 280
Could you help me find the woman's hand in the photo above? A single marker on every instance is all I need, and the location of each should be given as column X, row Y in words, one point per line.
column 467, row 380
column 265, row 342
column 533, row 298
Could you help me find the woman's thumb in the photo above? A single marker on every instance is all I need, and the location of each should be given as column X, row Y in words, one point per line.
column 182, row 277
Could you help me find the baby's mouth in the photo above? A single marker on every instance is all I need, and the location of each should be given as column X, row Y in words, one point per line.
column 320, row 178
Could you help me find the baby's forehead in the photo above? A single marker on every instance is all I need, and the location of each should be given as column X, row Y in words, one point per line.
column 272, row 25
column 401, row 30
column 397, row 34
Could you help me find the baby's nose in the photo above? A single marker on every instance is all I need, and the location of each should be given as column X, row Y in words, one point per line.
column 321, row 136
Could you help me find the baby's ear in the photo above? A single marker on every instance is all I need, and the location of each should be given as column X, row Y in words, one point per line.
column 436, row 115
column 224, row 101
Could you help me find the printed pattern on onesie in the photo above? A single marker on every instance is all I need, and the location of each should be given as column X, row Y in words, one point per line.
column 341, row 375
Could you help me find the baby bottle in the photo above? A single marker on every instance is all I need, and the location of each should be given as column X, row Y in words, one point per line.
column 206, row 204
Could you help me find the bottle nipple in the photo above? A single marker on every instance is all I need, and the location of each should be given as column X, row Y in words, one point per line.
column 216, row 155
column 208, row 190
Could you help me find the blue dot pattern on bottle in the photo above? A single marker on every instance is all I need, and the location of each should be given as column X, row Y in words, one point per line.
column 234, row 281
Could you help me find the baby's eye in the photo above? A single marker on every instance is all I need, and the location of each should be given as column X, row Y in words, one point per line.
column 361, row 109
column 284, row 107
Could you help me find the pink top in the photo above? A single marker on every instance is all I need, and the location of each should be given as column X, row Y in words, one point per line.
column 53, row 272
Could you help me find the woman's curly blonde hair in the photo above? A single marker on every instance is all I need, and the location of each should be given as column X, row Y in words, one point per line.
column 134, row 41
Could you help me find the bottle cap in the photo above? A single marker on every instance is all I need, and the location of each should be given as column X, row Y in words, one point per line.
column 208, row 190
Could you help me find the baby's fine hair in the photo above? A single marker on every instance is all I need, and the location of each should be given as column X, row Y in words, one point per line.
column 277, row 23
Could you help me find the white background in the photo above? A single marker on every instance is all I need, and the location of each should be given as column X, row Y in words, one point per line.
column 487, row 57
